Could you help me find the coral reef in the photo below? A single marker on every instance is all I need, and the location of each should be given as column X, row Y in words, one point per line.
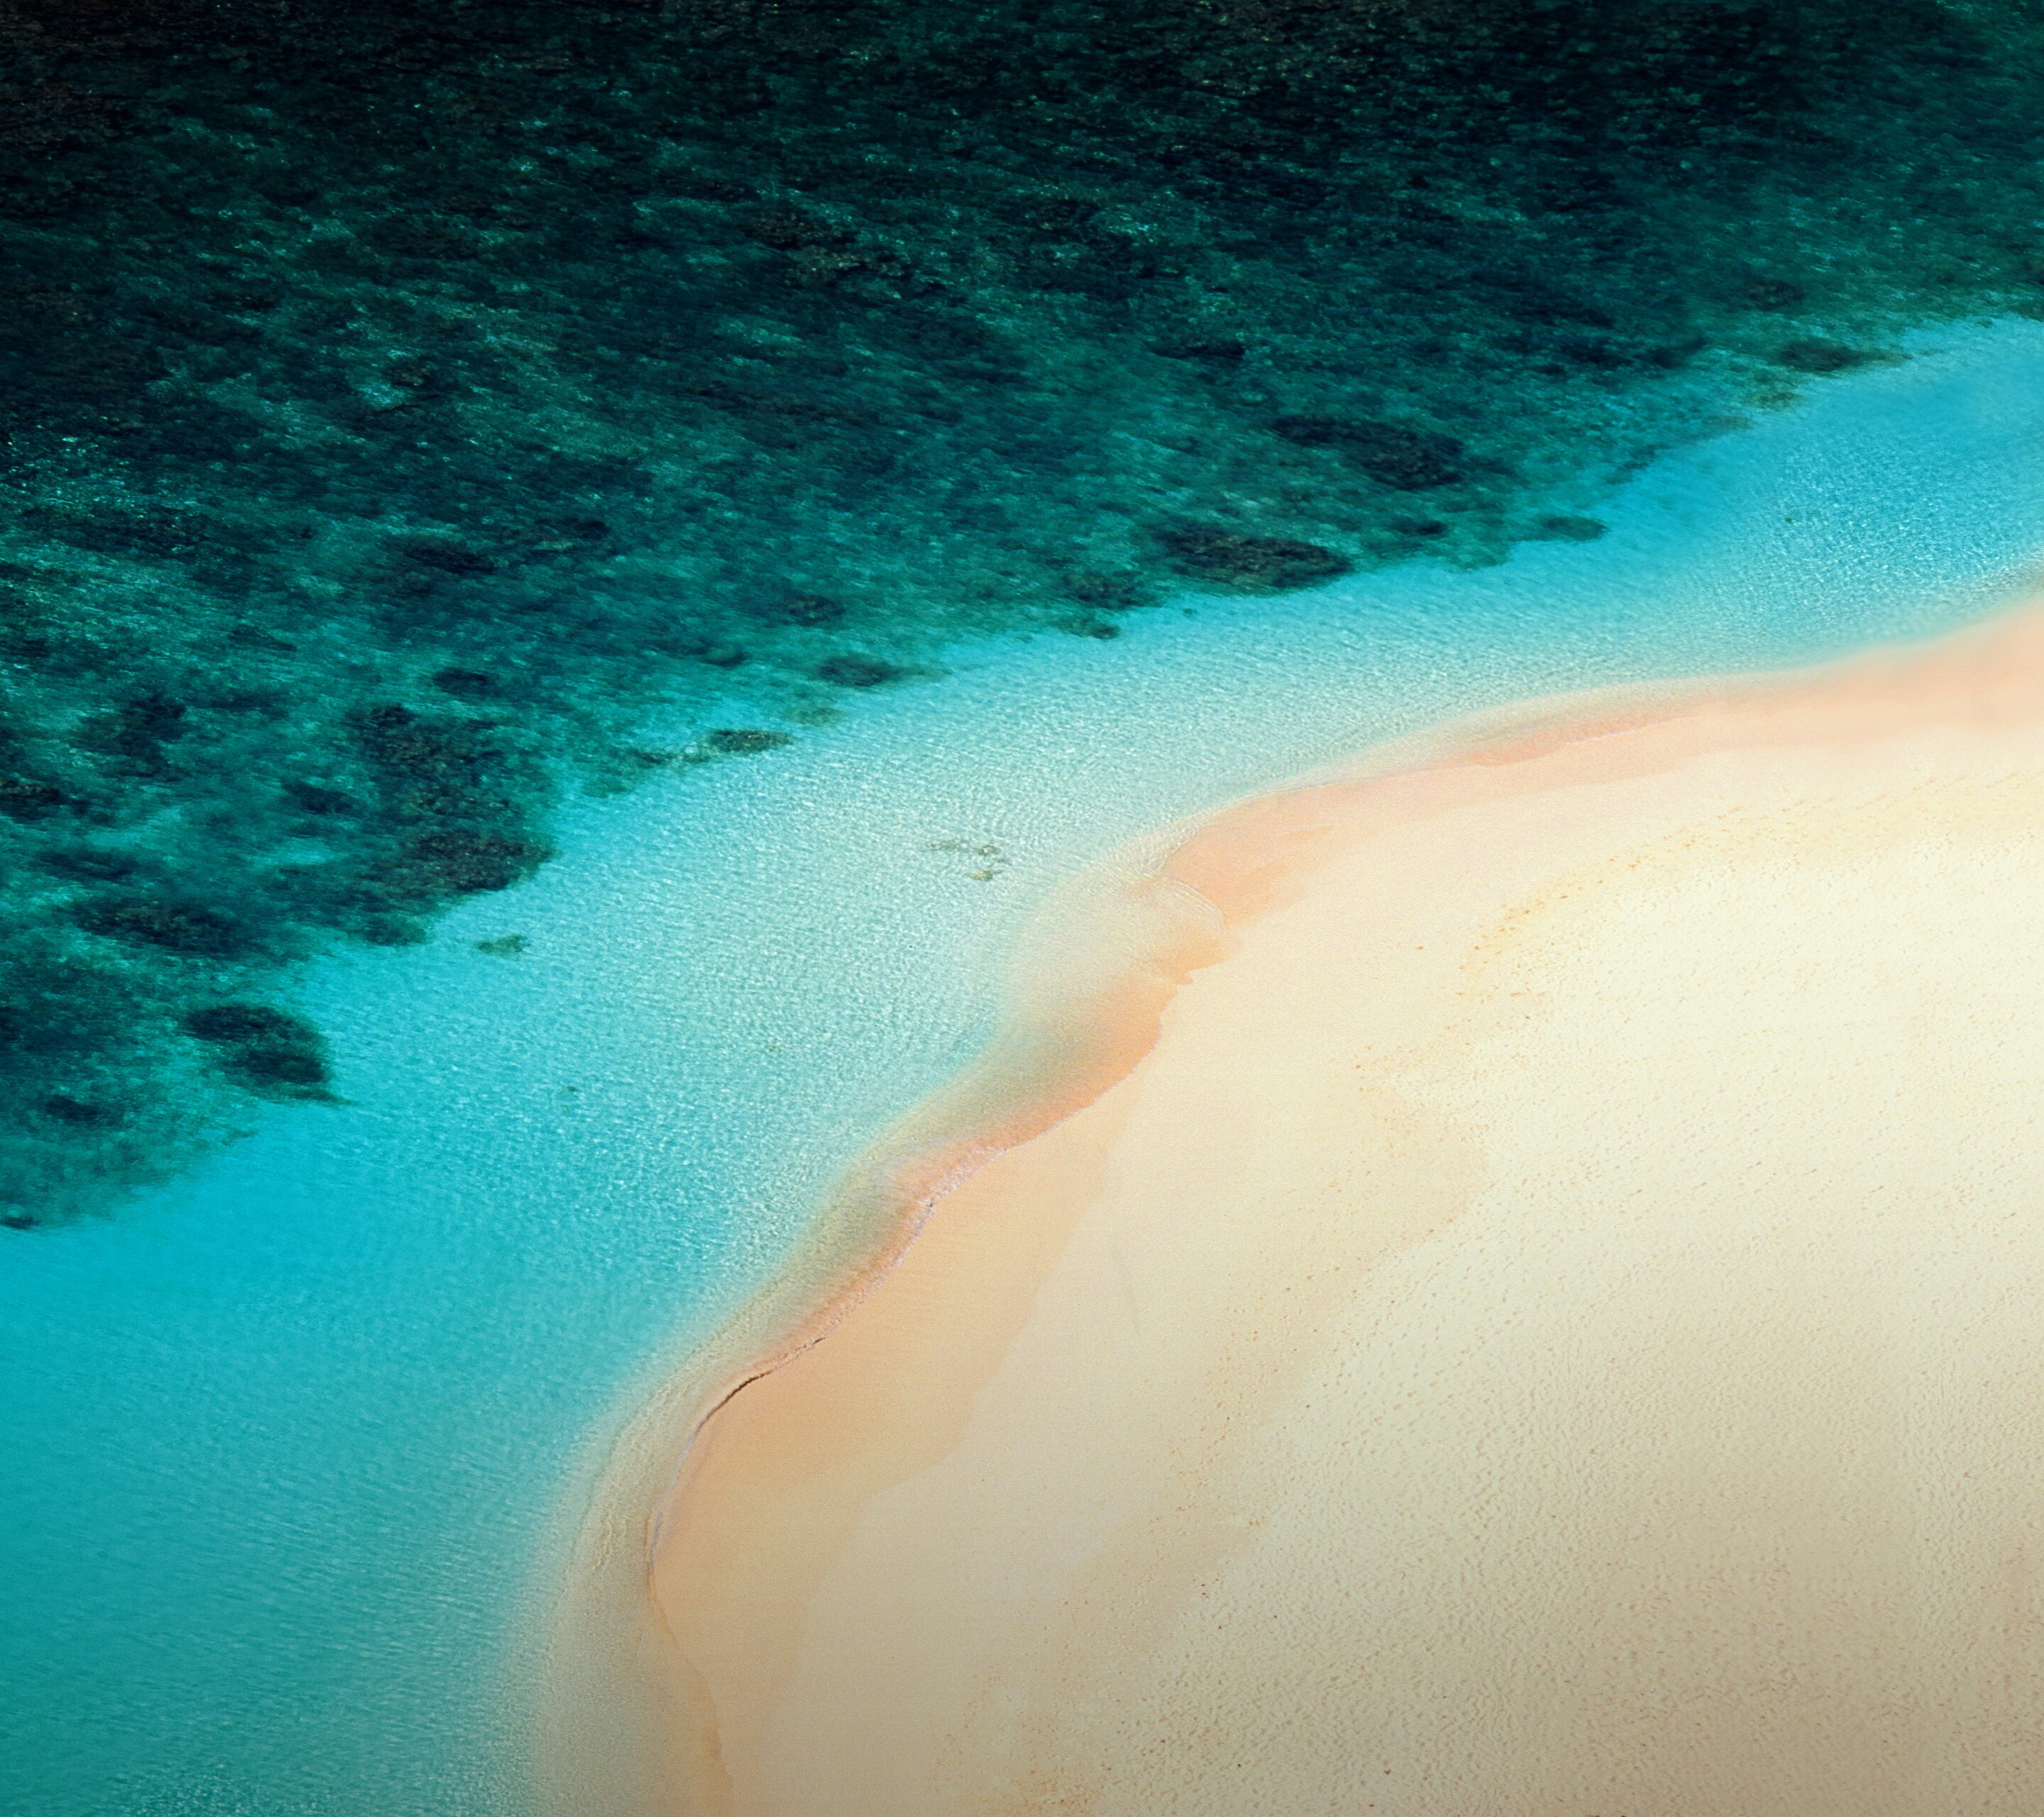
column 399, row 404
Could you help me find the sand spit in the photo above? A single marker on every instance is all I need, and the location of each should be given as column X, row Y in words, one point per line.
column 1534, row 1310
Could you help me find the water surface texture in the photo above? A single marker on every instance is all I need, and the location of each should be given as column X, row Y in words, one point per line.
column 398, row 398
column 297, row 1442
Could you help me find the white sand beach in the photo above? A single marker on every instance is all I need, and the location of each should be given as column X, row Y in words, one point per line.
column 1553, row 1324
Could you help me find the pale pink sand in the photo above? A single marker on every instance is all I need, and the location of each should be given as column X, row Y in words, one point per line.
column 1552, row 1327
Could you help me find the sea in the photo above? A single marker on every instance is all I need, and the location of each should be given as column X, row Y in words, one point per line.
column 299, row 1442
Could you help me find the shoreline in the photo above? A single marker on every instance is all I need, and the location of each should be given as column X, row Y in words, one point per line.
column 1062, row 1040
column 1070, row 1040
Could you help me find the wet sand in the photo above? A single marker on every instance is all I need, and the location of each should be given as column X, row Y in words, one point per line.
column 1530, row 1299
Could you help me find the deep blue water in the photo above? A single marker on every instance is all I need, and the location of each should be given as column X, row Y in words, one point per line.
column 295, row 1447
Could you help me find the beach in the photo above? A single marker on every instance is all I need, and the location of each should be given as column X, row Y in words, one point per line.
column 1524, row 1304
column 847, row 961
column 396, row 1386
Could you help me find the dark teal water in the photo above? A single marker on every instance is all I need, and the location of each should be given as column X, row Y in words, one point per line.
column 296, row 1444
column 399, row 402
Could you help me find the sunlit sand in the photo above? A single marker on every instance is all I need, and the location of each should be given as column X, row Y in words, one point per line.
column 1551, row 1325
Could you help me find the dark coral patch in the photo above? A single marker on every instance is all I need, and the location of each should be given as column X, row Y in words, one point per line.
column 283, row 1072
column 246, row 1021
column 446, row 558
column 856, row 671
column 188, row 928
column 1822, row 356
column 28, row 798
column 809, row 609
column 1395, row 455
column 745, row 741
column 1235, row 559
column 1565, row 529
column 455, row 863
column 265, row 1050
column 465, row 684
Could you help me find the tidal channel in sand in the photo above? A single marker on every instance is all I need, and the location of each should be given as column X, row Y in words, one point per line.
column 1547, row 1323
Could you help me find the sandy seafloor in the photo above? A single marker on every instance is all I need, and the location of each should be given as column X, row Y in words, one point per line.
column 297, row 1448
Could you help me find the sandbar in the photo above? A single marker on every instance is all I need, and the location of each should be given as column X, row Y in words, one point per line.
column 1533, row 1306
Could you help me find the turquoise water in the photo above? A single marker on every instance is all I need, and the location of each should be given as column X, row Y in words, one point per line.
column 400, row 402
column 295, row 1447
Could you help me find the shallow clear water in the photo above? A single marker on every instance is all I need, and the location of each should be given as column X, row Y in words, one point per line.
column 295, row 1448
